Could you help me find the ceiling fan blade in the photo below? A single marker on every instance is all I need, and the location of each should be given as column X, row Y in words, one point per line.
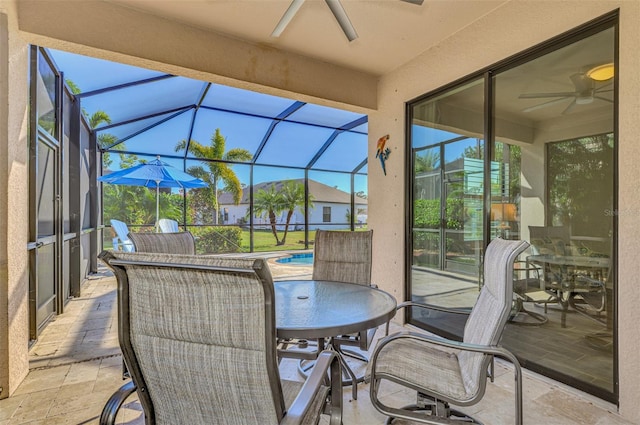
column 342, row 18
column 604, row 86
column 570, row 107
column 417, row 2
column 603, row 98
column 541, row 95
column 545, row 104
column 287, row 17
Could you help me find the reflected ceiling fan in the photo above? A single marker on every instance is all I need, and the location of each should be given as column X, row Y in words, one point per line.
column 586, row 91
column 337, row 10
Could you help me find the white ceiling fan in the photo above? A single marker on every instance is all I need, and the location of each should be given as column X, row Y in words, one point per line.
column 586, row 91
column 337, row 10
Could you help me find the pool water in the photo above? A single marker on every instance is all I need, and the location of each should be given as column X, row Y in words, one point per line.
column 297, row 259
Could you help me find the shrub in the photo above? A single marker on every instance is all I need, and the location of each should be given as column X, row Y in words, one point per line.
column 217, row 239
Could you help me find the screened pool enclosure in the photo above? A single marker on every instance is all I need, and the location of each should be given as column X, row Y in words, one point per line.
column 277, row 169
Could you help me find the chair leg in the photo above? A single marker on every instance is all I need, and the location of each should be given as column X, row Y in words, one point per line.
column 115, row 402
column 436, row 412
column 349, row 376
column 353, row 354
column 492, row 369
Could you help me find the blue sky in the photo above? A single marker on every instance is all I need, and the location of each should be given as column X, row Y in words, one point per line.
column 292, row 143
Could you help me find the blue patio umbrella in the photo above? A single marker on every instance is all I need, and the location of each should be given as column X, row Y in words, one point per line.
column 153, row 174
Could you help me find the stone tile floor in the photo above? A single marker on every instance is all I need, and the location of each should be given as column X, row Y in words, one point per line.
column 76, row 365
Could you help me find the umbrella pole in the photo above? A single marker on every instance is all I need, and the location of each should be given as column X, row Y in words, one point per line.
column 157, row 205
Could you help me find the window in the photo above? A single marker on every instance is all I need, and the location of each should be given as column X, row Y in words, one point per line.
column 326, row 214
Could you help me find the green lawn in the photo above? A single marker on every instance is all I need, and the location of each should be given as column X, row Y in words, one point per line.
column 263, row 240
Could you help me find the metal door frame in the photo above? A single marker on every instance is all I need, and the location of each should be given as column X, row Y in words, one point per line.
column 35, row 137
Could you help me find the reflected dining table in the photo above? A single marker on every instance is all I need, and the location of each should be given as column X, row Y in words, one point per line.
column 317, row 309
column 568, row 267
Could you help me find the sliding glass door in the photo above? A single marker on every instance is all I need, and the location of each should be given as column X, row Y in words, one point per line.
column 547, row 175
column 447, row 148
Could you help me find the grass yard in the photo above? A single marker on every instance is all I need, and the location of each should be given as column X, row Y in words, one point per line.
column 263, row 240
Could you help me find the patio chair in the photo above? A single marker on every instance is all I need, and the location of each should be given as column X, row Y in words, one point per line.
column 168, row 243
column 168, row 226
column 443, row 371
column 345, row 257
column 201, row 346
column 121, row 242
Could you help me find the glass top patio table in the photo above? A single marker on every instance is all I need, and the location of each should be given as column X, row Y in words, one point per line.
column 314, row 309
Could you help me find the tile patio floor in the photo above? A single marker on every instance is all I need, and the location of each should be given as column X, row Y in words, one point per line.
column 76, row 365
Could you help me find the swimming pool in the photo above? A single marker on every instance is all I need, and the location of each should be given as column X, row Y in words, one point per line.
column 304, row 259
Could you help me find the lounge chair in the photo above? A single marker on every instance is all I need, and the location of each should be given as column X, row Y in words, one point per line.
column 168, row 226
column 121, row 242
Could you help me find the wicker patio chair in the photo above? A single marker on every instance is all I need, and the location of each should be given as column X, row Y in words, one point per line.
column 444, row 371
column 198, row 334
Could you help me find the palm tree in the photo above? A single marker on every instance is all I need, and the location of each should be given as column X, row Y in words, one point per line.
column 427, row 161
column 97, row 118
column 217, row 171
column 271, row 203
column 292, row 194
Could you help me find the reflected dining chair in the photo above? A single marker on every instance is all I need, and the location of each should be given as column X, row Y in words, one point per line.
column 443, row 371
column 198, row 335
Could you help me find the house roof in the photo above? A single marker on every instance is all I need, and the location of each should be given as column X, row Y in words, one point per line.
column 319, row 191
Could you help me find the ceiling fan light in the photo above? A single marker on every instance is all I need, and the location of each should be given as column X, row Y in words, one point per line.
column 601, row 72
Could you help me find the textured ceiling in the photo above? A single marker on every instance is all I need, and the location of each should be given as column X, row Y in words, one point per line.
column 390, row 32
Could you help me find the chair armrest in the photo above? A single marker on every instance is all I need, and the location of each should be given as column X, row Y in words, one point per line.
column 436, row 340
column 486, row 349
column 328, row 361
column 110, row 410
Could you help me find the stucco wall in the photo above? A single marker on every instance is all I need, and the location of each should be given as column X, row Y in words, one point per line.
column 14, row 282
column 510, row 29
